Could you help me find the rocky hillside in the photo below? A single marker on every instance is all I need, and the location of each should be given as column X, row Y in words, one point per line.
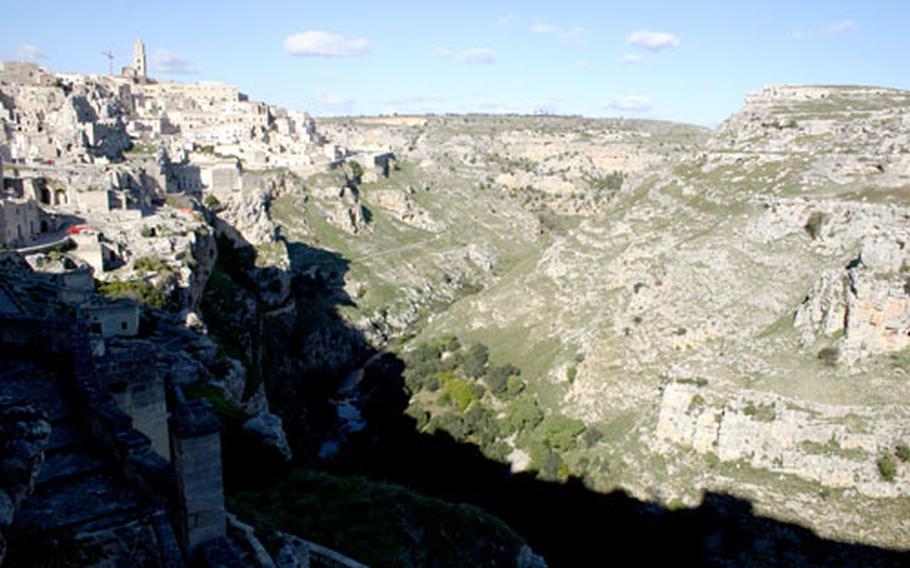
column 728, row 312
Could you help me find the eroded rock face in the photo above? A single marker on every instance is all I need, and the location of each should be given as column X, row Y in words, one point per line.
column 867, row 301
column 405, row 209
column 836, row 446
column 23, row 437
column 247, row 212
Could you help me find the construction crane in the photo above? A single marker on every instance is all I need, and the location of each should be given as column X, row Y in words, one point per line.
column 110, row 61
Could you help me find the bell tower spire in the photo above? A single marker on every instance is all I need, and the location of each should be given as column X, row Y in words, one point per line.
column 139, row 58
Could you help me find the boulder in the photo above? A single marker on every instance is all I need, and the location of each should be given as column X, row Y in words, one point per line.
column 267, row 428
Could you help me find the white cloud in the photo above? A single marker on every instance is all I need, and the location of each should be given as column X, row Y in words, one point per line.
column 477, row 56
column 629, row 103
column 574, row 35
column 332, row 100
column 653, row 41
column 28, row 52
column 834, row 28
column 542, row 28
column 470, row 56
column 630, row 58
column 165, row 61
column 315, row 43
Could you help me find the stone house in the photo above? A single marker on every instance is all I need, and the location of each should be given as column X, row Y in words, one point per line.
column 117, row 318
column 19, row 221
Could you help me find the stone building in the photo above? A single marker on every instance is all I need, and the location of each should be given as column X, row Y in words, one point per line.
column 109, row 319
column 91, row 250
column 20, row 221
column 23, row 72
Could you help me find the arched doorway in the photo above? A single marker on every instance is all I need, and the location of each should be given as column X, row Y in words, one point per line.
column 45, row 195
column 60, row 197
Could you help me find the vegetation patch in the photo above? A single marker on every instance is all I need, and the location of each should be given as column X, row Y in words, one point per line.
column 136, row 290
column 814, row 224
column 887, row 467
column 829, row 356
column 377, row 523
column 763, row 412
column 446, row 381
column 226, row 411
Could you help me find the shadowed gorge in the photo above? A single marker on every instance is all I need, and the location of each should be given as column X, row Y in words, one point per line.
column 565, row 521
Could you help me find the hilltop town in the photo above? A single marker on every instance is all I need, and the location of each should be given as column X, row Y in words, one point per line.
column 102, row 183
column 195, row 285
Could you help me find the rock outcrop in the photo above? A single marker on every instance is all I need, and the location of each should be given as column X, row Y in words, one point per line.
column 24, row 433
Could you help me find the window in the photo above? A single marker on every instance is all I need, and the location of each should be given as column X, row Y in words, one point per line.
column 123, row 325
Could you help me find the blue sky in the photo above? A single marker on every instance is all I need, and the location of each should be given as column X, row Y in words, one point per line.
column 688, row 61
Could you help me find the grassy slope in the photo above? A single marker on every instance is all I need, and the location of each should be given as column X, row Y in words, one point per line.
column 378, row 523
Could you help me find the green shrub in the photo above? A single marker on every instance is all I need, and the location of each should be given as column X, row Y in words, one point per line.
column 560, row 432
column 591, row 436
column 147, row 232
column 151, row 263
column 887, row 467
column 498, row 378
column 424, row 359
column 356, row 170
column 523, row 414
column 903, row 453
column 760, row 412
column 814, row 225
column 136, row 290
column 475, row 360
column 222, row 407
column 480, row 424
column 459, row 391
column 609, row 183
column 552, row 468
column 829, row 355
column 446, row 343
column 571, row 373
column 211, row 201
column 515, row 386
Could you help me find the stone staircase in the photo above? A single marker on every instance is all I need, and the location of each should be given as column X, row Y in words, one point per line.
column 78, row 490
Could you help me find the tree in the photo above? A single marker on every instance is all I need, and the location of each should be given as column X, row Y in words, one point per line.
column 498, row 378
column 523, row 414
column 560, row 432
column 475, row 360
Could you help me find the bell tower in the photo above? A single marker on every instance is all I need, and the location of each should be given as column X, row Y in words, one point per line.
column 139, row 58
